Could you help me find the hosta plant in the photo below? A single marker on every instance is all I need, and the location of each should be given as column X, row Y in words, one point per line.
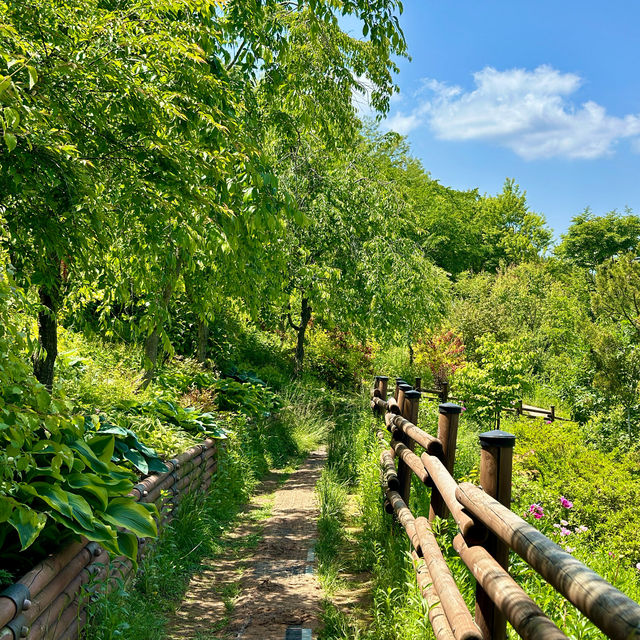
column 55, row 476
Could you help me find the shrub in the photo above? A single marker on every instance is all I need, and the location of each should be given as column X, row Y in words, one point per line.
column 338, row 357
column 442, row 354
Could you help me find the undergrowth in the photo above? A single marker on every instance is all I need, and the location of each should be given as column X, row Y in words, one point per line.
column 369, row 540
column 139, row 610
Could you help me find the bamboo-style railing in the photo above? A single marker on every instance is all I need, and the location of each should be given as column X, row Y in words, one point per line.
column 48, row 603
column 488, row 530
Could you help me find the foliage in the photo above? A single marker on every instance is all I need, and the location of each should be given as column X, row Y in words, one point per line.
column 591, row 240
column 442, row 353
column 55, row 475
column 497, row 380
column 338, row 358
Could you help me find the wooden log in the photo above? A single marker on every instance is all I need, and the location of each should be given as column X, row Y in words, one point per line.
column 472, row 530
column 73, row 630
column 381, row 404
column 431, row 445
column 437, row 617
column 38, row 578
column 520, row 610
column 404, row 474
column 389, row 470
column 615, row 614
column 455, row 608
column 411, row 460
column 449, row 415
column 495, row 477
column 405, row 517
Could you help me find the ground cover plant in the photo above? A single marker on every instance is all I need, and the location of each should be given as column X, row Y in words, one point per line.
column 368, row 540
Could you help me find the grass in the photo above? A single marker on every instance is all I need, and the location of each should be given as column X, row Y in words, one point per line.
column 379, row 546
column 140, row 610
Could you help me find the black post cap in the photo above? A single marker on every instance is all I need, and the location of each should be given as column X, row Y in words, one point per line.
column 405, row 387
column 497, row 438
column 382, row 377
column 449, row 407
column 412, row 394
column 401, row 381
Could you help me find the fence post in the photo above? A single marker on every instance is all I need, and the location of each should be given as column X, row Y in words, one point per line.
column 448, row 435
column 403, row 389
column 518, row 408
column 495, row 478
column 411, row 405
column 399, row 381
column 418, row 385
column 444, row 392
column 380, row 386
column 552, row 416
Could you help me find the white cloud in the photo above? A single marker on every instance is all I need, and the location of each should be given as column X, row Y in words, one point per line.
column 528, row 112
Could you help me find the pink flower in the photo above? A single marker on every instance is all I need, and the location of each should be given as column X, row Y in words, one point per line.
column 567, row 504
column 611, row 554
column 582, row 529
column 565, row 532
column 570, row 549
column 536, row 510
column 638, row 566
column 564, row 523
column 548, row 421
column 464, row 408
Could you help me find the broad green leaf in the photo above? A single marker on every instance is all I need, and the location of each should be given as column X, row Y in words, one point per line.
column 102, row 446
column 137, row 459
column 85, row 452
column 28, row 523
column 10, row 140
column 124, row 512
column 33, row 76
column 114, row 485
column 7, row 505
column 128, row 544
column 84, row 482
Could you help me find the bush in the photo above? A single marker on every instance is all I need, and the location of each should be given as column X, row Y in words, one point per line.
column 338, row 358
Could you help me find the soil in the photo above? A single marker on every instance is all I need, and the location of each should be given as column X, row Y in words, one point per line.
column 264, row 582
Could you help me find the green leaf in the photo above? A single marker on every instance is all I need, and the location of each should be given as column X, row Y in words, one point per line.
column 33, row 76
column 137, row 459
column 102, row 446
column 10, row 140
column 114, row 485
column 28, row 523
column 128, row 544
column 7, row 505
column 85, row 452
column 124, row 512
column 84, row 482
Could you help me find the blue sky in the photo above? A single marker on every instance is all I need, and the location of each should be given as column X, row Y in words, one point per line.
column 543, row 92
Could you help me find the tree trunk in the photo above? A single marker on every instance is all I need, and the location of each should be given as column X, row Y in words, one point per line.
column 152, row 343
column 203, row 340
column 305, row 316
column 410, row 354
column 44, row 357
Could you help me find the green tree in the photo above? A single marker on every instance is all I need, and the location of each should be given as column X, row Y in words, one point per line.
column 591, row 239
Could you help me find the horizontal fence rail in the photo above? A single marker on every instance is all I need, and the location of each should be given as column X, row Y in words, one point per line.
column 520, row 409
column 48, row 603
column 488, row 530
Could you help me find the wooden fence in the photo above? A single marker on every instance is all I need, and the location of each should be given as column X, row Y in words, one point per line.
column 48, row 603
column 488, row 529
column 520, row 408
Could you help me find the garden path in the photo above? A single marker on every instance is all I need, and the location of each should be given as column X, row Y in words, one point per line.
column 264, row 583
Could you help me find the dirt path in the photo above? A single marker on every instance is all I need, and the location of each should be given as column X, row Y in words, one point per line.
column 264, row 583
